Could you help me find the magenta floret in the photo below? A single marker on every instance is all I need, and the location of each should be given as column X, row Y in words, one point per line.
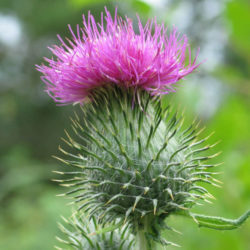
column 110, row 52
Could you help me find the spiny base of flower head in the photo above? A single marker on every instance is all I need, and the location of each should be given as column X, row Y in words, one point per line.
column 82, row 233
column 133, row 160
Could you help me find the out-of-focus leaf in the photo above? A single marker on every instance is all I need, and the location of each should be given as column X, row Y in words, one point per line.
column 231, row 123
column 83, row 3
column 239, row 18
column 141, row 7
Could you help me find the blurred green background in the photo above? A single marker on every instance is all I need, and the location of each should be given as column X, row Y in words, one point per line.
column 31, row 124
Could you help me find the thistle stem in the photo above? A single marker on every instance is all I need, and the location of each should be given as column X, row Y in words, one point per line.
column 217, row 223
column 143, row 240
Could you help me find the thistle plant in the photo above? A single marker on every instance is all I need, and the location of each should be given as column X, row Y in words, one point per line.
column 130, row 161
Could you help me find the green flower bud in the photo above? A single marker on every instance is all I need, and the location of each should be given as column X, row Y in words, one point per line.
column 82, row 233
column 132, row 159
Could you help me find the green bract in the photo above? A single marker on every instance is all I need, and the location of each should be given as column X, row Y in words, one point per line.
column 131, row 158
column 82, row 233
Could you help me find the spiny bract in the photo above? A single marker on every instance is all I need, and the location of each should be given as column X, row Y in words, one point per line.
column 80, row 234
column 134, row 159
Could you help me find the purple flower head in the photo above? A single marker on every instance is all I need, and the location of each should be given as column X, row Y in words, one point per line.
column 110, row 52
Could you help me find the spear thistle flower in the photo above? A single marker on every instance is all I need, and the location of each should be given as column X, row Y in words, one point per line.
column 111, row 52
column 131, row 159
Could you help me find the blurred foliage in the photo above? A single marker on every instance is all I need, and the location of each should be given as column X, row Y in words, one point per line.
column 31, row 124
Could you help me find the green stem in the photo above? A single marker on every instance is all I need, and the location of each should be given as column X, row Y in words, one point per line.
column 215, row 222
column 143, row 240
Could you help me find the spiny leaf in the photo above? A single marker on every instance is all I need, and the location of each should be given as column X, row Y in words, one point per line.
column 169, row 191
column 127, row 214
column 137, row 199
column 150, row 135
column 107, row 229
column 155, row 202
